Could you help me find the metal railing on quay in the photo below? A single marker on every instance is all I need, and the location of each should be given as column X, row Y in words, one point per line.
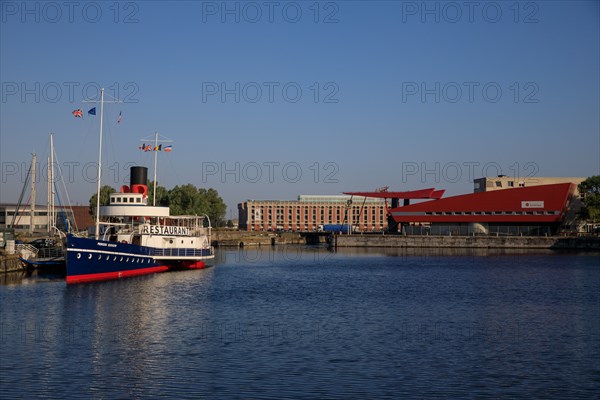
column 453, row 230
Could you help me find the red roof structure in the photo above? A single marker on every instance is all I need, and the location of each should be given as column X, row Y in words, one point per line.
column 533, row 204
column 430, row 193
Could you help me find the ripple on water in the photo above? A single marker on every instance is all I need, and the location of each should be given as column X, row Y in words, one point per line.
column 372, row 325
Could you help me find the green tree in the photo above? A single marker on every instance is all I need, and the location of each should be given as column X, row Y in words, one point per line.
column 216, row 208
column 589, row 190
column 105, row 192
column 162, row 195
column 187, row 200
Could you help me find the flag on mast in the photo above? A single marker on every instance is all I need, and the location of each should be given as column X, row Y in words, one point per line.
column 119, row 118
column 168, row 148
column 92, row 111
column 77, row 113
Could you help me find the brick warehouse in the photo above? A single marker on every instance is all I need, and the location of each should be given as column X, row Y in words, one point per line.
column 309, row 213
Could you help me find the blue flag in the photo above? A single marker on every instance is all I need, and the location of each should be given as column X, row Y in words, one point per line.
column 92, row 111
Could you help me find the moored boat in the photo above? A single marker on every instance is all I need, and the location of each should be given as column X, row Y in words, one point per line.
column 137, row 239
column 134, row 238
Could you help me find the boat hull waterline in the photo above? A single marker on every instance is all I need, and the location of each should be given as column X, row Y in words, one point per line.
column 91, row 260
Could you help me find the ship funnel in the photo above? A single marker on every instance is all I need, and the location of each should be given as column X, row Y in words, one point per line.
column 138, row 180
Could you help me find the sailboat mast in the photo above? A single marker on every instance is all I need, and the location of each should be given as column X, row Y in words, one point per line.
column 33, row 197
column 48, row 203
column 97, row 232
column 155, row 155
column 51, row 183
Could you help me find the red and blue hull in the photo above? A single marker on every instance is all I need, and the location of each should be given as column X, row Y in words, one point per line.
column 90, row 260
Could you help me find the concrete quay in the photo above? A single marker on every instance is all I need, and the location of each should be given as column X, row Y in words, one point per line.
column 476, row 242
column 231, row 238
column 10, row 263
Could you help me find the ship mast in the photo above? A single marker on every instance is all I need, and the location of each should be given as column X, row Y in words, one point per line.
column 32, row 207
column 50, row 186
column 48, row 223
column 155, row 148
column 51, row 183
column 97, row 230
column 155, row 155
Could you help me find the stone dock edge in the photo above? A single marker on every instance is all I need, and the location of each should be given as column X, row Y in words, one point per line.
column 477, row 242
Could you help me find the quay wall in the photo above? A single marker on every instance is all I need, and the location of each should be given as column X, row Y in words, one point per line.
column 489, row 242
column 9, row 263
column 232, row 238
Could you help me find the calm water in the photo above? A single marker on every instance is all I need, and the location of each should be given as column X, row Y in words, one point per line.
column 296, row 322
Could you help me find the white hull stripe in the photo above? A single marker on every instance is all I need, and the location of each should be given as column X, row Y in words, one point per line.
column 184, row 257
column 114, row 253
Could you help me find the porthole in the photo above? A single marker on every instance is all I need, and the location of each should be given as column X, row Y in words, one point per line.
column 90, row 256
column 115, row 258
column 121, row 259
column 99, row 256
column 107, row 257
column 127, row 259
column 78, row 256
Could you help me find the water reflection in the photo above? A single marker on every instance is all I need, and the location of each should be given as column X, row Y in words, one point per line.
column 26, row 278
column 299, row 321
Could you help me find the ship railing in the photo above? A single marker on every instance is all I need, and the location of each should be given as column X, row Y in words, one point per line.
column 111, row 228
column 186, row 252
column 50, row 252
column 197, row 232
column 195, row 223
column 26, row 250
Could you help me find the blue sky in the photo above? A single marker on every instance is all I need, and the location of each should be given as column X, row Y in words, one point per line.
column 303, row 97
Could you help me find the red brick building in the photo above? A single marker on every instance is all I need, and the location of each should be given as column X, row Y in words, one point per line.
column 310, row 213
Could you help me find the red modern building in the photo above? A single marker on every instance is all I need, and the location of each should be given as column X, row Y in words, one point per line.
column 534, row 210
